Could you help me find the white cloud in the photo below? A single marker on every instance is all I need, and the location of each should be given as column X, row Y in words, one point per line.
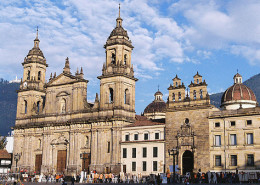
column 222, row 25
column 78, row 29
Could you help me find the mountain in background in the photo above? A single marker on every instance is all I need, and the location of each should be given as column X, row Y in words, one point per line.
column 253, row 83
column 8, row 101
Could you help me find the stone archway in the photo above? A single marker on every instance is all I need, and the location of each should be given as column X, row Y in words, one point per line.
column 187, row 162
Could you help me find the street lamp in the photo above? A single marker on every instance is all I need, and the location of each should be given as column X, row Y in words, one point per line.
column 17, row 157
column 173, row 152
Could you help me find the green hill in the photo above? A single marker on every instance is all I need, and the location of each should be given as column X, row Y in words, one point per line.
column 8, row 101
column 253, row 83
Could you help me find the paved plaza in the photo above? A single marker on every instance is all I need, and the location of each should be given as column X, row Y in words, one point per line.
column 69, row 183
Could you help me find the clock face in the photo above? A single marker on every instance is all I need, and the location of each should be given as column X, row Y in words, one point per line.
column 25, row 84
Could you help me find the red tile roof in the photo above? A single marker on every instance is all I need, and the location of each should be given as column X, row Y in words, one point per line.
column 143, row 121
column 4, row 154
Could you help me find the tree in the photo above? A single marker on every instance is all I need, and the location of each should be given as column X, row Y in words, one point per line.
column 3, row 142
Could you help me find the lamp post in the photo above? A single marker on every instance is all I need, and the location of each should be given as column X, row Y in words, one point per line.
column 173, row 152
column 17, row 157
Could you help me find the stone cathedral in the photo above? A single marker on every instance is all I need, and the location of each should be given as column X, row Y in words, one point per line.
column 56, row 127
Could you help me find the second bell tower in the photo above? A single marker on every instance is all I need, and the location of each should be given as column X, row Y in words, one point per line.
column 117, row 82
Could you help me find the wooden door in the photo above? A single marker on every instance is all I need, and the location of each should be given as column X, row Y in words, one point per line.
column 86, row 162
column 38, row 163
column 124, row 168
column 61, row 161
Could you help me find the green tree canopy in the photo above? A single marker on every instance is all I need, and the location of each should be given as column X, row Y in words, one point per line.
column 3, row 142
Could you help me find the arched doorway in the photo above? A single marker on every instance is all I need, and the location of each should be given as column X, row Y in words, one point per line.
column 187, row 162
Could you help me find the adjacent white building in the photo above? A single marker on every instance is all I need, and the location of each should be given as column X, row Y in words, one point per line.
column 142, row 147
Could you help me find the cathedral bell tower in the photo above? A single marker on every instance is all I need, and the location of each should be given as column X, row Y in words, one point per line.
column 31, row 93
column 117, row 82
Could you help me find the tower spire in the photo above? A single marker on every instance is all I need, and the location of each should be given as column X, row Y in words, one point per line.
column 37, row 33
column 119, row 19
column 119, row 11
column 36, row 40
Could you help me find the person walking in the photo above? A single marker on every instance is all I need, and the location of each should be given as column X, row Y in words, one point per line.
column 72, row 180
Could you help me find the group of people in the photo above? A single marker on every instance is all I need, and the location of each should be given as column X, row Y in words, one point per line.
column 221, row 177
column 189, row 177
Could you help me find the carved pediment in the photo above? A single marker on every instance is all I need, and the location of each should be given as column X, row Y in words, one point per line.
column 62, row 79
column 61, row 140
column 62, row 93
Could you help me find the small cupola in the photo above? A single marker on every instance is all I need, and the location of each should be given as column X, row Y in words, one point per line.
column 237, row 79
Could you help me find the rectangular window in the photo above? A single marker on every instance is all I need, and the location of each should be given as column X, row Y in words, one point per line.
column 249, row 139
column 157, row 136
column 155, row 151
column 154, row 165
column 133, row 166
column 232, row 123
column 233, row 139
column 144, row 152
column 136, row 137
column 217, row 140
column 233, row 160
column 250, row 160
column 249, row 122
column 218, row 160
column 133, row 152
column 144, row 166
column 146, row 136
column 124, row 153
column 127, row 137
column 108, row 147
column 5, row 162
column 217, row 124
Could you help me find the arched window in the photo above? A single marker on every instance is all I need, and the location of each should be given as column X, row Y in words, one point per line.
column 38, row 106
column 125, row 59
column 25, row 107
column 176, row 84
column 28, row 75
column 39, row 143
column 201, row 95
column 87, row 141
column 127, row 97
column 113, row 58
column 197, row 81
column 63, row 106
column 194, row 95
column 179, row 96
column 173, row 97
column 111, row 95
column 39, row 75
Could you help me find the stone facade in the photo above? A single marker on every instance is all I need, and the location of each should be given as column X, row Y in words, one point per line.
column 57, row 130
column 187, row 125
column 234, row 140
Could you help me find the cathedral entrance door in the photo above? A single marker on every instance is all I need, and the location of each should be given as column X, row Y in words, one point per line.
column 61, row 161
column 38, row 163
column 86, row 162
column 187, row 162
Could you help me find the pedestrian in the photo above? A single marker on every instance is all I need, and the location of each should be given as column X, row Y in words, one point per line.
column 72, row 180
column 158, row 179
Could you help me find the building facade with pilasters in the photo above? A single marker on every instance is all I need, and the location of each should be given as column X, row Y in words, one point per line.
column 56, row 125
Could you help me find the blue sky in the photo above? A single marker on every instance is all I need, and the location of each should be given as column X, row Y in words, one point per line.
column 170, row 37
